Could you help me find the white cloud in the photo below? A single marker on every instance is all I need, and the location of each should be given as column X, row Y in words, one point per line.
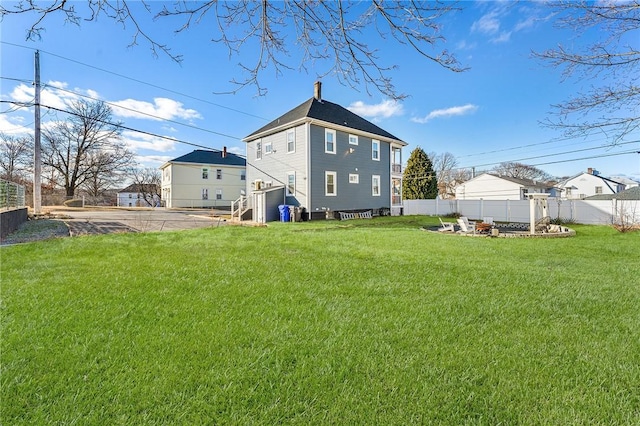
column 447, row 112
column 384, row 109
column 14, row 125
column 152, row 160
column 161, row 108
column 136, row 141
column 487, row 24
column 504, row 37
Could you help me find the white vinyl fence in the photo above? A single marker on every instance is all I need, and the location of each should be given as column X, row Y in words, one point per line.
column 595, row 212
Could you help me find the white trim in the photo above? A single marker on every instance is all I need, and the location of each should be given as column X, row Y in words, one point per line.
column 354, row 178
column 293, row 133
column 286, row 184
column 353, row 139
column 373, row 186
column 334, row 135
column 375, row 142
column 268, row 148
column 335, row 184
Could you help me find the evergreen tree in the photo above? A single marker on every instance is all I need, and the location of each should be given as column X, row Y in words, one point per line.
column 419, row 181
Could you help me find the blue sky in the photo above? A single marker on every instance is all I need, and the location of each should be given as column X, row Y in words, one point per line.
column 488, row 114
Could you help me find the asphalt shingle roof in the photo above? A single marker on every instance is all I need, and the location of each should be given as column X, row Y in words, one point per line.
column 629, row 194
column 201, row 156
column 325, row 111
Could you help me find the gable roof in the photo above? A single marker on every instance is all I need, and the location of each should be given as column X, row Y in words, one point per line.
column 200, row 156
column 138, row 188
column 629, row 194
column 606, row 180
column 518, row 181
column 314, row 109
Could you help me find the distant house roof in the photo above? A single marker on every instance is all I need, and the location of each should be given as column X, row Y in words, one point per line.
column 523, row 182
column 324, row 111
column 629, row 194
column 136, row 188
column 200, row 156
column 604, row 179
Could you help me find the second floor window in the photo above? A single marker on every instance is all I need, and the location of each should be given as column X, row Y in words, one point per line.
column 330, row 141
column 375, row 149
column 291, row 141
column 218, row 174
column 268, row 148
column 205, row 173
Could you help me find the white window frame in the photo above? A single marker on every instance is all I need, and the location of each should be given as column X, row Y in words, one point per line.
column 218, row 194
column 375, row 149
column 353, row 140
column 288, row 189
column 218, row 174
column 334, row 175
column 598, row 190
column 354, row 178
column 328, row 132
column 291, row 141
column 375, row 189
column 205, row 193
column 205, row 173
column 259, row 150
column 268, row 148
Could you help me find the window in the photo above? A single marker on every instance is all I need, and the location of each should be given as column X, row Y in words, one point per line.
column 291, row 183
column 330, row 141
column 258, row 150
column 375, row 149
column 567, row 191
column 205, row 194
column 330, row 185
column 243, row 175
column 205, row 173
column 218, row 194
column 353, row 140
column 291, row 141
column 268, row 148
column 218, row 174
column 375, row 185
column 598, row 190
column 354, row 178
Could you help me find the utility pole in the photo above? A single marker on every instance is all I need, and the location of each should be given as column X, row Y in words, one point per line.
column 37, row 154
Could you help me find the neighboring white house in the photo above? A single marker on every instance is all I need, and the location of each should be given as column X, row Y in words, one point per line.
column 210, row 179
column 628, row 183
column 488, row 186
column 136, row 195
column 589, row 183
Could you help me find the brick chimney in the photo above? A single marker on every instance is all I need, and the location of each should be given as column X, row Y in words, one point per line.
column 590, row 170
column 317, row 90
column 224, row 152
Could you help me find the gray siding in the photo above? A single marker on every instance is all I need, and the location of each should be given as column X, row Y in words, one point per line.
column 275, row 166
column 350, row 196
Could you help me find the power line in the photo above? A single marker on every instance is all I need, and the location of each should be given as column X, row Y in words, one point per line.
column 145, row 113
column 139, row 81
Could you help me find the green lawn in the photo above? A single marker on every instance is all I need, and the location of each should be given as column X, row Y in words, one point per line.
column 357, row 322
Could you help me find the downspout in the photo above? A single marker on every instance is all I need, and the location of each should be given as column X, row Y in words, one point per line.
column 307, row 128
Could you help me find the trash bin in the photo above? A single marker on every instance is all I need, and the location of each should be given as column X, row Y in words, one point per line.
column 294, row 213
column 284, row 213
column 304, row 214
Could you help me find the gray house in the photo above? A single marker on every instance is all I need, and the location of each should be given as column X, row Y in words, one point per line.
column 324, row 158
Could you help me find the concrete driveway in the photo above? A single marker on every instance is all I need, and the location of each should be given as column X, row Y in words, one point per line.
column 111, row 220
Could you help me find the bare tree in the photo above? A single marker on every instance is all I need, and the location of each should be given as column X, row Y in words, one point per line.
column 84, row 146
column 522, row 171
column 611, row 103
column 445, row 165
column 148, row 183
column 326, row 34
column 16, row 157
column 107, row 170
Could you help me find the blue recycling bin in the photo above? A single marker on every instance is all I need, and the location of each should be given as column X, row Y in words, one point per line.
column 284, row 213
